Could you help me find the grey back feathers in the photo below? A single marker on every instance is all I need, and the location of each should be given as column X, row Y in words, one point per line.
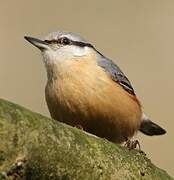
column 115, row 72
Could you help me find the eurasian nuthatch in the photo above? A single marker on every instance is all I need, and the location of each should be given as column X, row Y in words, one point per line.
column 86, row 89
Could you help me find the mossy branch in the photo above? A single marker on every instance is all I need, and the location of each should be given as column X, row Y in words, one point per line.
column 35, row 147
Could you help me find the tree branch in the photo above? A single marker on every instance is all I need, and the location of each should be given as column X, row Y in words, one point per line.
column 35, row 147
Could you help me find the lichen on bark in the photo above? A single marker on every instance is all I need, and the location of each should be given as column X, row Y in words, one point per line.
column 36, row 147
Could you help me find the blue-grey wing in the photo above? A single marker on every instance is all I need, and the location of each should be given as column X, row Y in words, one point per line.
column 115, row 72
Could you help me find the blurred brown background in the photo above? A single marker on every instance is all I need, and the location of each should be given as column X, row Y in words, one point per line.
column 138, row 35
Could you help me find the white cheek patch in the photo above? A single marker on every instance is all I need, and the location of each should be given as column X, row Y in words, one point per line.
column 64, row 53
column 79, row 51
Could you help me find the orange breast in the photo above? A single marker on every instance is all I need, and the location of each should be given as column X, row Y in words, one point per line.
column 83, row 94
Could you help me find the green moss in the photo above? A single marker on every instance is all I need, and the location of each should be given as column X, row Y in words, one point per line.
column 53, row 150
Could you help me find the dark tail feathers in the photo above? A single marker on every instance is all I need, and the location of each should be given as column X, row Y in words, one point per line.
column 149, row 128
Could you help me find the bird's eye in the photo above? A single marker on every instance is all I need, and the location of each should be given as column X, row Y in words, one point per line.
column 64, row 41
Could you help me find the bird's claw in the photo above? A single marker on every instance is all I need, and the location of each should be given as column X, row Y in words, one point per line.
column 132, row 144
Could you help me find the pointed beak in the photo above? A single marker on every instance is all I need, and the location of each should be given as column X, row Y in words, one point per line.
column 42, row 45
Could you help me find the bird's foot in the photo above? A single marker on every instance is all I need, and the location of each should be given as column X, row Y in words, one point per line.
column 132, row 144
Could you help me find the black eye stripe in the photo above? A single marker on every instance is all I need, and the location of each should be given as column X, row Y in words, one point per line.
column 71, row 42
column 82, row 44
column 51, row 41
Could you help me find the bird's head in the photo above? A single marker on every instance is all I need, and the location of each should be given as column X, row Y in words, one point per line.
column 60, row 46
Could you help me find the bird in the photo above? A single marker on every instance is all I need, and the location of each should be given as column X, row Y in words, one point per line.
column 88, row 90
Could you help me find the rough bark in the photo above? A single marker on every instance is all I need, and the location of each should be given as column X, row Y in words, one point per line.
column 35, row 147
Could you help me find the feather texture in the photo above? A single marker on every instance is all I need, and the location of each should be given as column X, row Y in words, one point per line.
column 84, row 94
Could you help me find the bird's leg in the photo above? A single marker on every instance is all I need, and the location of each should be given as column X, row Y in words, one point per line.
column 132, row 144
